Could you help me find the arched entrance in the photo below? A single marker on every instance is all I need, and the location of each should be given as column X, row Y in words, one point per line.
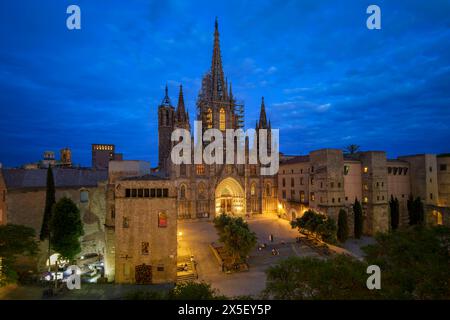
column 230, row 198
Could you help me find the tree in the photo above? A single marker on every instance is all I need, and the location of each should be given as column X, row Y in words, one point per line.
column 236, row 236
column 66, row 229
column 192, row 291
column 416, row 211
column 358, row 225
column 351, row 149
column 14, row 240
column 395, row 212
column 296, row 278
column 49, row 202
column 414, row 262
column 317, row 224
column 342, row 233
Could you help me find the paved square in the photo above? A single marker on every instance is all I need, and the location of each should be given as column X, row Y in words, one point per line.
column 197, row 235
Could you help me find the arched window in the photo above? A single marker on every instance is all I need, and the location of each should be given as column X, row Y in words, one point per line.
column 253, row 189
column 268, row 191
column 209, row 118
column 222, row 119
column 201, row 191
column 182, row 192
column 162, row 220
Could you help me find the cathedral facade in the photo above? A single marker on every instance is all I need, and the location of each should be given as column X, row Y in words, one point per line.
column 205, row 190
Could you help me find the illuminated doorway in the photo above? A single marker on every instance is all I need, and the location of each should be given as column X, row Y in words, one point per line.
column 230, row 198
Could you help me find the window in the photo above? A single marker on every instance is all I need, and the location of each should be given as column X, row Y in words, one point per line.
column 127, row 193
column 301, row 181
column 405, row 171
column 133, row 193
column 146, row 193
column 222, row 119
column 389, row 170
column 162, row 220
column 200, row 169
column 366, row 187
column 400, row 170
column 284, row 194
column 443, row 167
column 140, row 193
column 209, row 118
column 253, row 189
column 183, row 192
column 332, row 200
column 339, row 200
column 431, row 196
column 158, row 193
column 292, row 182
column 313, row 197
column 302, row 196
column 268, row 192
column 366, row 199
column 152, row 193
column 312, row 181
column 165, row 192
column 125, row 222
column 145, row 248
column 160, row 268
column 346, row 170
column 113, row 213
column 84, row 196
column 431, row 169
column 284, row 182
column 292, row 194
column 321, row 184
column 331, row 184
column 366, row 169
column 312, row 169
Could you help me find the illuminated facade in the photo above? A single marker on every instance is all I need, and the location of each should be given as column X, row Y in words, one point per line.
column 207, row 190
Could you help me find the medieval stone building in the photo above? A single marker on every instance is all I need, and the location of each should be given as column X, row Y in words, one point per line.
column 204, row 190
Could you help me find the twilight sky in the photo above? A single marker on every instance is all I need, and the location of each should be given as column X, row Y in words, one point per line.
column 327, row 80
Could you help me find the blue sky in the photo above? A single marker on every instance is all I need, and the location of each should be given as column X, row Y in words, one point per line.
column 327, row 80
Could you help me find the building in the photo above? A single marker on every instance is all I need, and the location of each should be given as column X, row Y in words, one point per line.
column 102, row 154
column 23, row 200
column 326, row 180
column 206, row 190
column 145, row 230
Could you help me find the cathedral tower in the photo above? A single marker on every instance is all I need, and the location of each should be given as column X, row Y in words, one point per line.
column 166, row 121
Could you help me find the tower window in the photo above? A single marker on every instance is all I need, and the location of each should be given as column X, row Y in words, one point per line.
column 209, row 118
column 200, row 169
column 162, row 220
column 222, row 119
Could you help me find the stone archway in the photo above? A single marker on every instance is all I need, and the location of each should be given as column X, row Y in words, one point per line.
column 230, row 197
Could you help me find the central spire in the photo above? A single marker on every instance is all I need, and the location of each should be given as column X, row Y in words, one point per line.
column 217, row 77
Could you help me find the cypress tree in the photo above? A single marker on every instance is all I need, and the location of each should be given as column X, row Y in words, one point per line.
column 411, row 211
column 342, row 233
column 358, row 227
column 49, row 202
column 395, row 213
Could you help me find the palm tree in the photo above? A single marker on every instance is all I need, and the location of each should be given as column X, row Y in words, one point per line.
column 351, row 149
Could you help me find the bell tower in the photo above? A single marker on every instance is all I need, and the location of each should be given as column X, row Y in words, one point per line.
column 166, row 121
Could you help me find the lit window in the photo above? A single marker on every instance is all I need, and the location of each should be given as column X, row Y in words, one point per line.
column 209, row 118
column 313, row 197
column 222, row 119
column 253, row 189
column 366, row 199
column 366, row 169
column 162, row 219
column 302, row 196
column 200, row 169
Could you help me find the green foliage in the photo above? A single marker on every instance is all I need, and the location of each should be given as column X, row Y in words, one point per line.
column 342, row 233
column 295, row 278
column 192, row 291
column 49, row 202
column 15, row 240
column 416, row 211
column 236, row 236
column 414, row 262
column 66, row 228
column 316, row 224
column 182, row 291
column 358, row 215
column 394, row 207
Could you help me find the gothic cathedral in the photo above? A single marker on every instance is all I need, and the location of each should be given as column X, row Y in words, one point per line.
column 204, row 190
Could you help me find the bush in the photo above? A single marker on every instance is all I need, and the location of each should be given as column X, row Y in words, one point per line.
column 317, row 224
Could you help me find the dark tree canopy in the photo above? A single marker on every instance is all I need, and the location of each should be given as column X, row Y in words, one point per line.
column 342, row 233
column 67, row 228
